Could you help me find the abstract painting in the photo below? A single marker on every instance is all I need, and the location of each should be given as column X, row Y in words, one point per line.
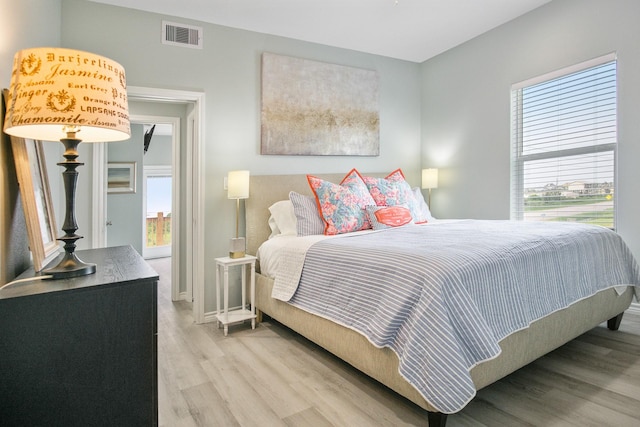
column 318, row 109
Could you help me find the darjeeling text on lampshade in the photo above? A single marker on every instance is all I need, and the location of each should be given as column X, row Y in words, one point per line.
column 70, row 96
column 55, row 87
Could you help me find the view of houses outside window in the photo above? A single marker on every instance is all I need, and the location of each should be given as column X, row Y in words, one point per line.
column 564, row 142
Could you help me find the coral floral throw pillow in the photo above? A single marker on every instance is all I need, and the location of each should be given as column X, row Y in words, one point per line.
column 342, row 206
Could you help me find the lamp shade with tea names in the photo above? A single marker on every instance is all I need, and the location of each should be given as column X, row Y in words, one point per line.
column 55, row 88
column 70, row 96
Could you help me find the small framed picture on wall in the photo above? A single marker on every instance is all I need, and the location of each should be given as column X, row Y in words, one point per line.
column 121, row 177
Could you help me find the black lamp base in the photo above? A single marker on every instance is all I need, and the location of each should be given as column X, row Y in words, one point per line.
column 69, row 266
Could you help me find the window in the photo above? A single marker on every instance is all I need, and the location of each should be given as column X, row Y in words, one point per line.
column 157, row 203
column 564, row 145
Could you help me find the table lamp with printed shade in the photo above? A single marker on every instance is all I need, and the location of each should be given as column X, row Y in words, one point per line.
column 70, row 96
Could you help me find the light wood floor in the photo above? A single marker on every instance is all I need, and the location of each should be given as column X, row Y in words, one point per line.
column 271, row 376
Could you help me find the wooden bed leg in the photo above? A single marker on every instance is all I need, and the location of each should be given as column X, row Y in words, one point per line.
column 437, row 419
column 614, row 322
column 258, row 316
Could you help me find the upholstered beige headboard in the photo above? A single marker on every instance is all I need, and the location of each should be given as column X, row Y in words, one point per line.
column 265, row 190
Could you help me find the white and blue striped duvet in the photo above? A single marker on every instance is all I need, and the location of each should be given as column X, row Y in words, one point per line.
column 443, row 296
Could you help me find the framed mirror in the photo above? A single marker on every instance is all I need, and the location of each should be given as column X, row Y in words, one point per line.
column 33, row 180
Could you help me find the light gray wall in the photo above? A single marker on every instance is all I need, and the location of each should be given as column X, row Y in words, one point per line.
column 227, row 70
column 124, row 210
column 23, row 24
column 466, row 103
column 159, row 152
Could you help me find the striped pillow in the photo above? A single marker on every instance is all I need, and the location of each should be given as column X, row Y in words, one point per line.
column 308, row 218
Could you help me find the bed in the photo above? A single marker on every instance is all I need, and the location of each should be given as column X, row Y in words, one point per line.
column 381, row 362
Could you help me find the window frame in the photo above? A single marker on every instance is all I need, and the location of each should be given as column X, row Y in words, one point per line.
column 518, row 159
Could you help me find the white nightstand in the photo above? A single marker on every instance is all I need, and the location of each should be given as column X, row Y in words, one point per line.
column 226, row 317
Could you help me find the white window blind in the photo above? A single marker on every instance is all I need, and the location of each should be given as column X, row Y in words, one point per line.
column 564, row 146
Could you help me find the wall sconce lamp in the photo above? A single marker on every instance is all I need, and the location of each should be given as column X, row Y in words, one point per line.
column 429, row 180
column 237, row 188
column 56, row 94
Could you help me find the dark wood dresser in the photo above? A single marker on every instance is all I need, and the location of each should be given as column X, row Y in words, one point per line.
column 82, row 351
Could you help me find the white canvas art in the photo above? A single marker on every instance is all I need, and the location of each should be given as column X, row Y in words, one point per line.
column 315, row 108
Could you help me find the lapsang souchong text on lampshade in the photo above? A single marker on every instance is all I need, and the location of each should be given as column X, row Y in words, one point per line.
column 70, row 96
column 237, row 188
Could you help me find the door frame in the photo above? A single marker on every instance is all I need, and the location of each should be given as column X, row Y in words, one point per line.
column 194, row 240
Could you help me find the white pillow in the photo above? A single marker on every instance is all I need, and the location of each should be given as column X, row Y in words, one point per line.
column 273, row 226
column 424, row 208
column 283, row 219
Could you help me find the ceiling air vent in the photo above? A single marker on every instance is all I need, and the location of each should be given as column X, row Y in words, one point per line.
column 181, row 35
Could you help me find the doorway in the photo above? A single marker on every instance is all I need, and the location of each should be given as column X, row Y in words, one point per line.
column 126, row 213
column 188, row 247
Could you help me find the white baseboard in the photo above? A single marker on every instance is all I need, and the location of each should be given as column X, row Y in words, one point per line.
column 210, row 316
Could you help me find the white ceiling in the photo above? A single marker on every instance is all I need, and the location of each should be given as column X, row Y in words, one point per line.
column 413, row 30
